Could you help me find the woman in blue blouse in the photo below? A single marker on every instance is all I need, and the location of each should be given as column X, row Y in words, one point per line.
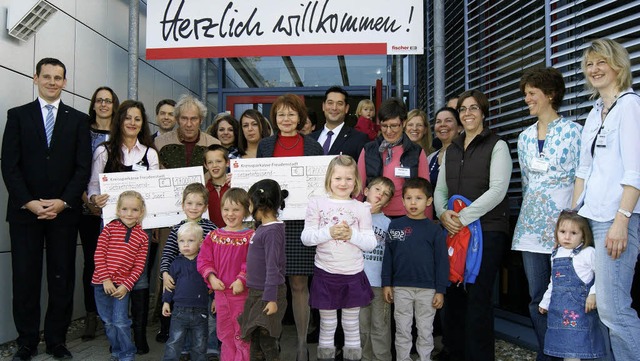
column 548, row 152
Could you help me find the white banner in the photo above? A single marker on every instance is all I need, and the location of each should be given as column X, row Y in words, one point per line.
column 303, row 177
column 218, row 29
column 161, row 190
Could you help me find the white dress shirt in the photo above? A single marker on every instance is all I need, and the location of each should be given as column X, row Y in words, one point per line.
column 129, row 157
column 323, row 135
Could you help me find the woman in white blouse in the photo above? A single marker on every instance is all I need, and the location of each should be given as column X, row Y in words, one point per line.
column 129, row 148
column 607, row 188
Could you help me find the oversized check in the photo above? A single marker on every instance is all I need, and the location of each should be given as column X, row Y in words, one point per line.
column 161, row 190
column 301, row 176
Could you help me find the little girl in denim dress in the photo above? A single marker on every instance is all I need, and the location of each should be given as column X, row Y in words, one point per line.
column 573, row 325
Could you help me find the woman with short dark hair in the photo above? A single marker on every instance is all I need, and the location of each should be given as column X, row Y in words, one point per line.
column 477, row 166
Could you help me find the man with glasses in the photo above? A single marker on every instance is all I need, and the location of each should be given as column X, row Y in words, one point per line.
column 393, row 155
column 336, row 137
column 46, row 163
column 185, row 145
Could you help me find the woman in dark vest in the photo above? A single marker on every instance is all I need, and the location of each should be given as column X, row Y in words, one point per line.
column 477, row 165
column 288, row 114
column 129, row 148
column 393, row 155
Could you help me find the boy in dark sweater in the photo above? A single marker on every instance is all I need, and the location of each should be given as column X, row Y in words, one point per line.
column 190, row 297
column 415, row 269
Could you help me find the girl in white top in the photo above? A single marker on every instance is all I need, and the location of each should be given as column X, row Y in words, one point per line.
column 573, row 326
column 341, row 228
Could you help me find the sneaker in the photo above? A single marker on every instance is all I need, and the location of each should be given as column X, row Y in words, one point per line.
column 59, row 352
column 25, row 353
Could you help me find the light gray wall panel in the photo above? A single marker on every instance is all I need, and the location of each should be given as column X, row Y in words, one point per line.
column 20, row 92
column 162, row 87
column 118, row 27
column 68, row 6
column 90, row 60
column 94, row 12
column 117, row 68
column 145, row 87
column 7, row 329
column 56, row 39
column 14, row 52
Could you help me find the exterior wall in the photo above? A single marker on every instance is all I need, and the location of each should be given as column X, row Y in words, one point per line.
column 90, row 38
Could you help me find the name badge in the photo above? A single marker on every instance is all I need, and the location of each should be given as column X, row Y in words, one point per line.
column 403, row 172
column 601, row 141
column 139, row 168
column 539, row 165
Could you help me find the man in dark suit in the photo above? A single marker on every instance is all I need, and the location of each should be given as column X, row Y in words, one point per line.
column 336, row 137
column 46, row 163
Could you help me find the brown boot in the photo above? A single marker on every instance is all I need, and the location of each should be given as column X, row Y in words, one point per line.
column 90, row 324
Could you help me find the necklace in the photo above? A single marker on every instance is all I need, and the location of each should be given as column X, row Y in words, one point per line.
column 294, row 144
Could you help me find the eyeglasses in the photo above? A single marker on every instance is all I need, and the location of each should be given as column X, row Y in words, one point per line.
column 474, row 108
column 393, row 127
column 106, row 101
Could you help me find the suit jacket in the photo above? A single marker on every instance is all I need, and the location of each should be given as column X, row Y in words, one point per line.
column 349, row 141
column 32, row 170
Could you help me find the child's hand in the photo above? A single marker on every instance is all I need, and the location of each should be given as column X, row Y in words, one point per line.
column 270, row 308
column 120, row 292
column 237, row 287
column 387, row 293
column 438, row 301
column 166, row 309
column 227, row 179
column 168, row 284
column 340, row 231
column 590, row 304
column 109, row 287
column 542, row 310
column 213, row 307
column 215, row 283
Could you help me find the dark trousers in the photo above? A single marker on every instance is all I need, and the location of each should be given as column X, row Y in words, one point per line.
column 89, row 230
column 469, row 310
column 27, row 243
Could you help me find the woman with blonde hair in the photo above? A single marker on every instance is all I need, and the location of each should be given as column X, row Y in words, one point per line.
column 417, row 129
column 607, row 188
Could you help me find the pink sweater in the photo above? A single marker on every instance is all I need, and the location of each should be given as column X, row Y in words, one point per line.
column 395, row 206
column 224, row 253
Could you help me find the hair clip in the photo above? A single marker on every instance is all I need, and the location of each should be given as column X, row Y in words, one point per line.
column 260, row 190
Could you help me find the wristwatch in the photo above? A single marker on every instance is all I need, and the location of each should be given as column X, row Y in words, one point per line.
column 66, row 205
column 624, row 212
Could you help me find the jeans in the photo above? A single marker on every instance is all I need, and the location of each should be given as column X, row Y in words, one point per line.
column 183, row 319
column 213, row 346
column 613, row 285
column 117, row 325
column 537, row 267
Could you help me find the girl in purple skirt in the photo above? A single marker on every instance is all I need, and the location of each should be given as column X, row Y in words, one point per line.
column 341, row 228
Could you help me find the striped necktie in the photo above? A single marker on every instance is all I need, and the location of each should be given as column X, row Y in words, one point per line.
column 49, row 123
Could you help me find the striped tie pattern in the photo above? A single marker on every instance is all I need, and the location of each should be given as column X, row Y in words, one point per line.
column 49, row 123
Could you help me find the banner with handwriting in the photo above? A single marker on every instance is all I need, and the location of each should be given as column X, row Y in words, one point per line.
column 221, row 29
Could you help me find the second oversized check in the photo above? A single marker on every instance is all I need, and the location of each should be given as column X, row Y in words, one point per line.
column 303, row 177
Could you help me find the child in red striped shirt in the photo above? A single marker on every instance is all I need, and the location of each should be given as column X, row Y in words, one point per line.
column 120, row 258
